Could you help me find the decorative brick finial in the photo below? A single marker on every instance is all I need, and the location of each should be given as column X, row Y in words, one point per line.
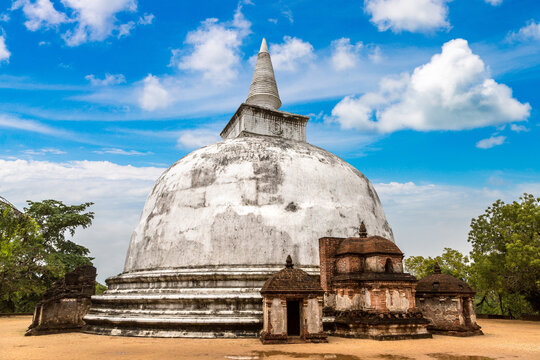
column 437, row 268
column 289, row 263
column 363, row 230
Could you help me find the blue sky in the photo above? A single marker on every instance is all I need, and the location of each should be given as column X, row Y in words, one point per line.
column 435, row 101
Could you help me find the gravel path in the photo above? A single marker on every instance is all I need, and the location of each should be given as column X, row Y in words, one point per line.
column 503, row 339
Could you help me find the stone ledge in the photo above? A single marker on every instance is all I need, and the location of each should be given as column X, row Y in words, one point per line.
column 196, row 320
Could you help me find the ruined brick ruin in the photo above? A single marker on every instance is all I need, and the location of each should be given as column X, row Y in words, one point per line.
column 292, row 307
column 448, row 304
column 367, row 294
column 65, row 304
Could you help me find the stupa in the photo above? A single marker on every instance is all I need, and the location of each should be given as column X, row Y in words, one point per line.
column 219, row 222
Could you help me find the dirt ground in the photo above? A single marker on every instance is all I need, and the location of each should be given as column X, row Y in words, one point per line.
column 503, row 339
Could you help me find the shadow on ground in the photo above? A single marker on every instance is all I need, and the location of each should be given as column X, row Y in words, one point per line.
column 256, row 355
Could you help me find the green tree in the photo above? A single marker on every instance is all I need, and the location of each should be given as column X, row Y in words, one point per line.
column 56, row 220
column 451, row 261
column 100, row 288
column 506, row 253
column 22, row 256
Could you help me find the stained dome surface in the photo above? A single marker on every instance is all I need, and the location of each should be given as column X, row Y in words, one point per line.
column 251, row 201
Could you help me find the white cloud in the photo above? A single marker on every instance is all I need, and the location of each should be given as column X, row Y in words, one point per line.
column 40, row 13
column 344, row 54
column 11, row 122
column 146, row 19
column 375, row 54
column 215, row 48
column 116, row 151
column 494, row 2
column 109, row 79
column 84, row 20
column 490, row 142
column 410, row 15
column 118, row 192
column 46, row 151
column 529, row 32
column 4, row 17
column 291, row 53
column 125, row 29
column 451, row 92
column 426, row 218
column 194, row 139
column 96, row 19
column 288, row 14
column 518, row 128
column 154, row 96
column 4, row 52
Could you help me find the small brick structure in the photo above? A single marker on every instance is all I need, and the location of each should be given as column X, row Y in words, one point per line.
column 64, row 305
column 367, row 294
column 292, row 307
column 448, row 304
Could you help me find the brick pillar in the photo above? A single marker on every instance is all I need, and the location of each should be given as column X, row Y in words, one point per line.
column 327, row 251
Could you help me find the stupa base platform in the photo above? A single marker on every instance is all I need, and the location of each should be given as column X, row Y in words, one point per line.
column 209, row 302
column 458, row 333
column 379, row 326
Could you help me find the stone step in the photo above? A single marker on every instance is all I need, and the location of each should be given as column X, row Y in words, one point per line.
column 188, row 283
column 179, row 302
column 164, row 290
column 197, row 278
column 138, row 297
column 170, row 321
column 215, row 302
column 173, row 313
column 198, row 332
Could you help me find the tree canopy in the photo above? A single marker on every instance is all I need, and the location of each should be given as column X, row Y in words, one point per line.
column 22, row 258
column 56, row 220
column 506, row 249
column 451, row 262
column 504, row 264
column 34, row 250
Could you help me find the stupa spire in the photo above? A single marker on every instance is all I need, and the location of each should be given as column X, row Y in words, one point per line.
column 263, row 90
column 264, row 47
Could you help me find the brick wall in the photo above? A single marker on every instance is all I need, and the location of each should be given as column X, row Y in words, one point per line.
column 327, row 250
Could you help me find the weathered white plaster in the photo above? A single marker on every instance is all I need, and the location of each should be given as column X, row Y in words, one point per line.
column 225, row 203
column 254, row 120
column 396, row 301
column 373, row 264
column 277, row 317
column 356, row 302
column 314, row 316
column 367, row 298
column 263, row 90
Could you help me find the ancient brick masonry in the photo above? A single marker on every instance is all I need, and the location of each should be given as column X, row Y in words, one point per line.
column 292, row 306
column 367, row 295
column 64, row 305
column 447, row 303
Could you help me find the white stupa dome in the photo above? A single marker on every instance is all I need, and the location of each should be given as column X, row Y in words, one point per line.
column 252, row 201
column 219, row 222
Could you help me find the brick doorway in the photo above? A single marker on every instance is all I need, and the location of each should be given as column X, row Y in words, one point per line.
column 293, row 318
